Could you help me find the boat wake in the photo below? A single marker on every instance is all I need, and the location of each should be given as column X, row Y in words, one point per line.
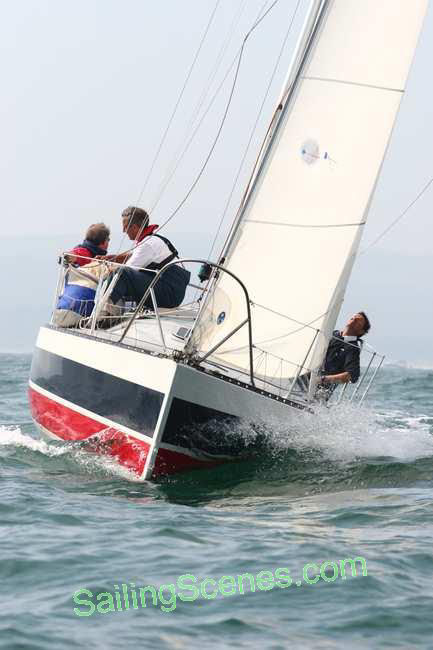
column 348, row 432
column 57, row 457
column 12, row 437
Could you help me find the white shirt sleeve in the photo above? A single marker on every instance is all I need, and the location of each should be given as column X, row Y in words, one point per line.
column 151, row 249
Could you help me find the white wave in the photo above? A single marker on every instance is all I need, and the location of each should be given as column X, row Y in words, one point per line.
column 12, row 436
column 348, row 432
column 409, row 365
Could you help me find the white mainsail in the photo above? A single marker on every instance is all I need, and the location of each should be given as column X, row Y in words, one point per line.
column 300, row 227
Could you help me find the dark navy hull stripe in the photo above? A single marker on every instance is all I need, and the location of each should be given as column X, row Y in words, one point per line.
column 205, row 430
column 121, row 401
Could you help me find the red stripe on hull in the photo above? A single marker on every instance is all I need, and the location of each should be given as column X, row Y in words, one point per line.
column 171, row 462
column 61, row 420
column 68, row 425
column 129, row 452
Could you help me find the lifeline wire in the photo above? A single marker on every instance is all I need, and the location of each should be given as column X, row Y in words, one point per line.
column 394, row 223
column 191, row 189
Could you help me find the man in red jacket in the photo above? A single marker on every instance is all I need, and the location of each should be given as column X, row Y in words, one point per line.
column 95, row 243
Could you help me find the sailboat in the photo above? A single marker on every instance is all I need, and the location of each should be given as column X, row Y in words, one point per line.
column 162, row 391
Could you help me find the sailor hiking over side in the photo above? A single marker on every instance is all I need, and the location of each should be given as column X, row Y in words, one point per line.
column 342, row 361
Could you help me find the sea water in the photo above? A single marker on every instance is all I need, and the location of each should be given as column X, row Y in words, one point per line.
column 347, row 483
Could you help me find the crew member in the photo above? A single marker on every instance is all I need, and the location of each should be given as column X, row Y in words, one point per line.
column 151, row 253
column 95, row 243
column 342, row 363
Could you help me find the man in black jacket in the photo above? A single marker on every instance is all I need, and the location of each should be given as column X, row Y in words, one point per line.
column 342, row 357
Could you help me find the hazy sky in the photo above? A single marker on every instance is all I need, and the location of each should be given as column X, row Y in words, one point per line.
column 87, row 89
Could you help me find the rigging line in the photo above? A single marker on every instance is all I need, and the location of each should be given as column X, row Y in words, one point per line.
column 403, row 214
column 208, row 157
column 320, row 9
column 196, row 111
column 276, row 338
column 282, row 336
column 277, row 313
column 295, row 331
column 219, row 59
column 194, row 133
column 262, row 14
column 292, row 363
column 277, row 63
column 227, row 205
column 179, row 99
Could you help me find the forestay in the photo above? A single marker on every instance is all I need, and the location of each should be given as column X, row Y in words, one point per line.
column 300, row 227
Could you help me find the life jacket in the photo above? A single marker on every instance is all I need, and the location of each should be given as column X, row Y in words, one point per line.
column 336, row 353
column 93, row 249
column 86, row 251
column 157, row 266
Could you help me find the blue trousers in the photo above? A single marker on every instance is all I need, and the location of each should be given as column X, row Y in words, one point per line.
column 169, row 290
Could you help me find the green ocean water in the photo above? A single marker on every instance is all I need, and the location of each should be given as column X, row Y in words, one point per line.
column 347, row 483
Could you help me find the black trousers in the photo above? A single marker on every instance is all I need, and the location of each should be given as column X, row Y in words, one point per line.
column 169, row 290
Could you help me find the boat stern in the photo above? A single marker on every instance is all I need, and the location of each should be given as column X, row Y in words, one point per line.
column 107, row 397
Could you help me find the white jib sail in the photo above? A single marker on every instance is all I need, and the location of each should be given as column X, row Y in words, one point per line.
column 300, row 229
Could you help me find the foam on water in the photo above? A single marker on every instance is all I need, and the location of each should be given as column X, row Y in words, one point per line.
column 410, row 365
column 347, row 432
column 11, row 437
